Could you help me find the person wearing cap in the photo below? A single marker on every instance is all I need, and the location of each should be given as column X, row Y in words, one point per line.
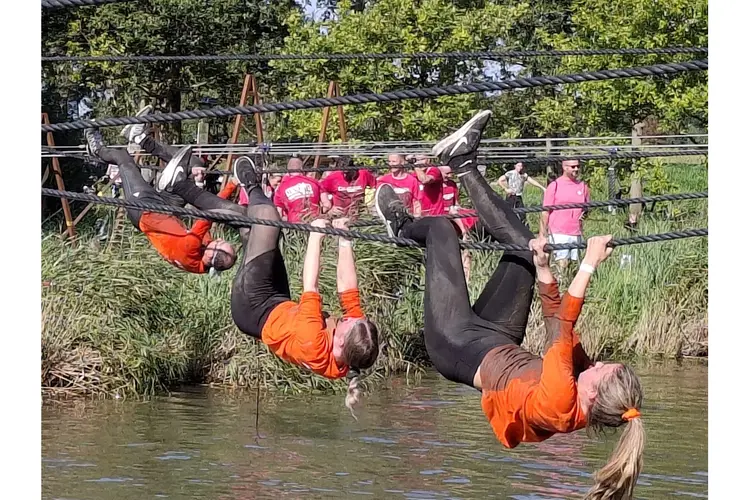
column 512, row 182
column 565, row 226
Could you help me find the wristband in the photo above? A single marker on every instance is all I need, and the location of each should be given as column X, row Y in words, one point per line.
column 587, row 268
column 345, row 243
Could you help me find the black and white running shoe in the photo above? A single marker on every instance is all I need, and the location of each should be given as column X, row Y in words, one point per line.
column 136, row 133
column 176, row 170
column 390, row 209
column 459, row 150
column 244, row 171
column 94, row 141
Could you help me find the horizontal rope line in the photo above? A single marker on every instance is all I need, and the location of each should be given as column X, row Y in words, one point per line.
column 482, row 54
column 54, row 4
column 566, row 206
column 244, row 221
column 430, row 92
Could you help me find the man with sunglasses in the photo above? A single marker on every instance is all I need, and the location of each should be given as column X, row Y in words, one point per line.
column 565, row 226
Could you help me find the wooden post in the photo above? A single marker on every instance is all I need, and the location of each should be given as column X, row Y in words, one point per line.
column 324, row 121
column 258, row 118
column 636, row 188
column 70, row 226
column 249, row 80
column 342, row 120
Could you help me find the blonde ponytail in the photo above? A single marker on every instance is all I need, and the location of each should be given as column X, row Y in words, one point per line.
column 617, row 479
column 618, row 401
column 353, row 392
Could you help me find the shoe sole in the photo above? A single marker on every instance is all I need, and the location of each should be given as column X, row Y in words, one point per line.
column 167, row 175
column 234, row 168
column 125, row 132
column 441, row 146
column 380, row 214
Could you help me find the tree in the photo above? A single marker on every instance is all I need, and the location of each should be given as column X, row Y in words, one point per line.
column 165, row 27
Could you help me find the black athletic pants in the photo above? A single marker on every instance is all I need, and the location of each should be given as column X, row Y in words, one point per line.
column 458, row 336
column 516, row 201
column 135, row 186
column 261, row 283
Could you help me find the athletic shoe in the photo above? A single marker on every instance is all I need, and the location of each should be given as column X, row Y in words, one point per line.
column 135, row 133
column 94, row 141
column 244, row 171
column 459, row 150
column 390, row 209
column 175, row 171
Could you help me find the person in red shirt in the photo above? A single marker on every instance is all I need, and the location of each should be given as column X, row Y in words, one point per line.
column 346, row 189
column 296, row 331
column 526, row 398
column 404, row 184
column 430, row 186
column 191, row 250
column 297, row 196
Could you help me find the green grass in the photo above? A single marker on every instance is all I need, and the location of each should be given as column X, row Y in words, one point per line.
column 120, row 320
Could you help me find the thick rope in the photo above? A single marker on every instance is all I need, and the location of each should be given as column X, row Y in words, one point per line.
column 245, row 221
column 566, row 206
column 54, row 4
column 498, row 161
column 482, row 54
column 398, row 95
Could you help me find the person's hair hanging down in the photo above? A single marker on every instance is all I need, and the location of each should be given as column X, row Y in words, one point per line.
column 298, row 332
column 526, row 398
column 360, row 353
column 619, row 397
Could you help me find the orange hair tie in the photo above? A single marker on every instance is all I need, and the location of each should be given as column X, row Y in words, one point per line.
column 631, row 414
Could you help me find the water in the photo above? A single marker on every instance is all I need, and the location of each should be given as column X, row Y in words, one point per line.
column 428, row 440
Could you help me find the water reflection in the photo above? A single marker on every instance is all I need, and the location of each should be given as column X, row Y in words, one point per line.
column 416, row 442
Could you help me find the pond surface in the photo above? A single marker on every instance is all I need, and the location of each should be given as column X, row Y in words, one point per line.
column 423, row 440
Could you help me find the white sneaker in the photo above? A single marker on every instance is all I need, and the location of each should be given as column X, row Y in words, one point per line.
column 175, row 171
column 135, row 133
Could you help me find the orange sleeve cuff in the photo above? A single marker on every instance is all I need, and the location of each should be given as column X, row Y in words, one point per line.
column 349, row 300
column 549, row 294
column 570, row 308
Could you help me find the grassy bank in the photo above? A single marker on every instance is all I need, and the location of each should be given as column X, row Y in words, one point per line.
column 119, row 320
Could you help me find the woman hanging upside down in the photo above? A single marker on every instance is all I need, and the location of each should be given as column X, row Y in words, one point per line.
column 526, row 398
column 298, row 332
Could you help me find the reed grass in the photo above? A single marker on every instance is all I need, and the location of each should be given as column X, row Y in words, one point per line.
column 118, row 320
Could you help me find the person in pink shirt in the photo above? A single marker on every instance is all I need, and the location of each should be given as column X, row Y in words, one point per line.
column 565, row 226
column 297, row 197
column 430, row 186
column 346, row 189
column 404, row 184
column 269, row 188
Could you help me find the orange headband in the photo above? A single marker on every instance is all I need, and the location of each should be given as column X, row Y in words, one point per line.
column 631, row 414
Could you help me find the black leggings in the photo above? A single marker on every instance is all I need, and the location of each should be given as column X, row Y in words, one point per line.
column 261, row 283
column 457, row 335
column 135, row 186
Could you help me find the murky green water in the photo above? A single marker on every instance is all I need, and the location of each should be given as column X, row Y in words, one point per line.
column 428, row 440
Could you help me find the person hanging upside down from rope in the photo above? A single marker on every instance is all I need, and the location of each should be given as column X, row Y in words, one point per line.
column 526, row 398
column 298, row 332
column 191, row 250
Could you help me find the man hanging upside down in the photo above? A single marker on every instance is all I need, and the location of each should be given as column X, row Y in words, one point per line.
column 191, row 250
column 298, row 332
column 526, row 398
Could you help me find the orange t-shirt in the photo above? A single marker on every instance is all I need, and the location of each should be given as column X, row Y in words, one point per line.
column 527, row 398
column 296, row 332
column 179, row 246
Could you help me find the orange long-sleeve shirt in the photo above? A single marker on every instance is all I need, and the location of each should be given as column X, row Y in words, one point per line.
column 296, row 332
column 179, row 246
column 527, row 398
